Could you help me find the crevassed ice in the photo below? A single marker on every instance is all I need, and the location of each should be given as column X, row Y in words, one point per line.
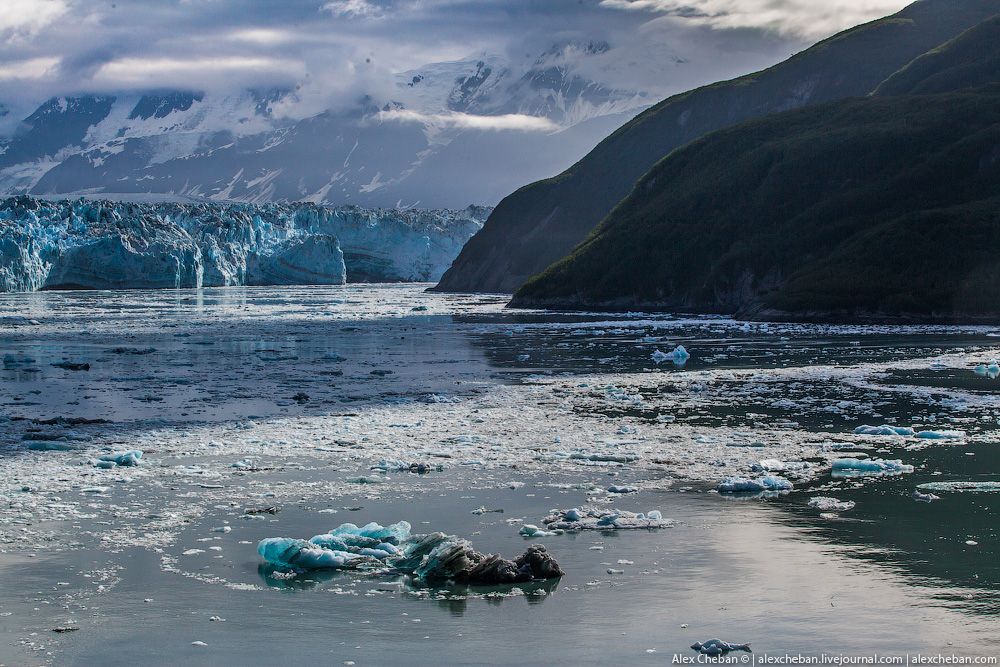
column 115, row 245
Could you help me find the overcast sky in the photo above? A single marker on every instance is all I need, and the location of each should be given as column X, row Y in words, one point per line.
column 336, row 48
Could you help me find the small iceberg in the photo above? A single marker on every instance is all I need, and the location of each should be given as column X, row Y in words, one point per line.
column 990, row 369
column 962, row 487
column 941, row 435
column 885, row 429
column 531, row 530
column 430, row 557
column 589, row 518
column 747, row 485
column 718, row 647
column 825, row 504
column 679, row 356
column 924, row 497
column 855, row 467
column 125, row 459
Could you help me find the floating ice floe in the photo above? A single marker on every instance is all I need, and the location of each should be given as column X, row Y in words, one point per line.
column 924, row 497
column 774, row 465
column 614, row 488
column 531, row 530
column 718, row 647
column 679, row 356
column 848, row 467
column 588, row 518
column 961, row 487
column 430, row 557
column 885, row 429
column 748, row 485
column 941, row 435
column 825, row 504
column 991, row 369
column 125, row 459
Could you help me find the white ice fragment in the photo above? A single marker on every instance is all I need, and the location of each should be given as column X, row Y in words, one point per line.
column 767, row 483
column 679, row 356
column 885, row 429
column 826, row 504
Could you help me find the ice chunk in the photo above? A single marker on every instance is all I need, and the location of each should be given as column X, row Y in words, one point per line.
column 614, row 488
column 991, row 369
column 718, row 647
column 826, row 504
column 679, row 356
column 299, row 554
column 924, row 497
column 962, row 487
column 884, row 430
column 849, row 467
column 748, row 485
column 941, row 435
column 774, row 465
column 126, row 459
column 531, row 530
column 589, row 518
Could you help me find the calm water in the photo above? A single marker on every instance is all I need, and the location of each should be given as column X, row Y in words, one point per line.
column 318, row 383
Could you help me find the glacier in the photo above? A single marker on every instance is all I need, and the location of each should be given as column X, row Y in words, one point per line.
column 87, row 244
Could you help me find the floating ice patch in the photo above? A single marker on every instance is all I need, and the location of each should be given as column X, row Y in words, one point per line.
column 941, row 435
column 884, row 430
column 850, row 467
column 614, row 488
column 826, row 504
column 718, row 647
column 679, row 356
column 924, row 497
column 774, row 465
column 962, row 487
column 991, row 369
column 747, row 485
column 531, row 530
column 589, row 518
column 125, row 459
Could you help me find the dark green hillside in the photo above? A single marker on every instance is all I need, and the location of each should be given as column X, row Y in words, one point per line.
column 865, row 207
column 971, row 59
column 543, row 221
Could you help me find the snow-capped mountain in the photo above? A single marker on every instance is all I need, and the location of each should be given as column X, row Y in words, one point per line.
column 445, row 135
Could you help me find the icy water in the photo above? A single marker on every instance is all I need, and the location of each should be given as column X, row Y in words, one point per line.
column 522, row 411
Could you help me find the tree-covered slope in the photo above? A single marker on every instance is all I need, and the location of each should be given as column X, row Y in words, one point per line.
column 541, row 222
column 874, row 207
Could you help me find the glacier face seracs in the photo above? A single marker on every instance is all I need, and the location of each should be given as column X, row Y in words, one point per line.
column 118, row 245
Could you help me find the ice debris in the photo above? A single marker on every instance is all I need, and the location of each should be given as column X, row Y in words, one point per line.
column 924, row 497
column 748, row 485
column 430, row 557
column 963, row 486
column 679, row 356
column 826, row 504
column 531, row 530
column 941, row 435
column 718, row 647
column 125, row 459
column 885, row 429
column 589, row 518
column 848, row 467
column 991, row 369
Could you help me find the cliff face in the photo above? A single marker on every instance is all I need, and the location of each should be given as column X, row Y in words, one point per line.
column 116, row 245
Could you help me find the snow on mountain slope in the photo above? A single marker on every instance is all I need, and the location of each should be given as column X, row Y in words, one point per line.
column 117, row 245
column 441, row 136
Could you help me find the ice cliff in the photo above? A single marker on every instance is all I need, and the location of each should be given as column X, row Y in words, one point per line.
column 116, row 245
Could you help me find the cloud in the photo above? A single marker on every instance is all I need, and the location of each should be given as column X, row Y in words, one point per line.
column 331, row 53
column 20, row 19
column 353, row 8
column 801, row 18
column 464, row 121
